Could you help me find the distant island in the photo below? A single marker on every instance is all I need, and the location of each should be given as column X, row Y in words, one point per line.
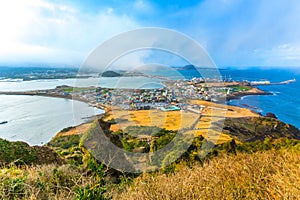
column 110, row 74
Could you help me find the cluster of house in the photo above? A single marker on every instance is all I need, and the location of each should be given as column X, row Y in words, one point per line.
column 171, row 97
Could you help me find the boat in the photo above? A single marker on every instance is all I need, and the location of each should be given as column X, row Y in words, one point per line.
column 3, row 122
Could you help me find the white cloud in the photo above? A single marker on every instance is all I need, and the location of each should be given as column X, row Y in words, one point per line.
column 142, row 6
column 234, row 32
column 38, row 30
column 283, row 55
column 234, row 29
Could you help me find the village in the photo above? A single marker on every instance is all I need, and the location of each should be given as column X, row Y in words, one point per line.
column 175, row 95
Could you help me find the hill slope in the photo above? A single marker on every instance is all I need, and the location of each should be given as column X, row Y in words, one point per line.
column 262, row 175
column 22, row 153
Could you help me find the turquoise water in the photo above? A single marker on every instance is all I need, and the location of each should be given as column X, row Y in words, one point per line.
column 171, row 108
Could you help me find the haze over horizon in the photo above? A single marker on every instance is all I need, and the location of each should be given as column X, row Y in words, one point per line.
column 233, row 32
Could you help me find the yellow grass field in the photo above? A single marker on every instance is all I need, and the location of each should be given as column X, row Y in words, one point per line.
column 213, row 109
column 173, row 120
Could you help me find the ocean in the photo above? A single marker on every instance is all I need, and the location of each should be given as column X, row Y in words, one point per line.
column 36, row 120
column 123, row 82
column 285, row 99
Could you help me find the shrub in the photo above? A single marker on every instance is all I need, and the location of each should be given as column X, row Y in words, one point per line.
column 18, row 152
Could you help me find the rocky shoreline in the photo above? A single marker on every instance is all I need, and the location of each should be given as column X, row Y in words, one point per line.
column 251, row 92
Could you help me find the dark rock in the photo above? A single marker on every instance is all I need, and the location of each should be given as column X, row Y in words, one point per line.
column 271, row 115
column 248, row 129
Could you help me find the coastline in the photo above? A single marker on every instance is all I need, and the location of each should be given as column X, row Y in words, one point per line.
column 251, row 92
column 107, row 108
column 235, row 95
column 78, row 128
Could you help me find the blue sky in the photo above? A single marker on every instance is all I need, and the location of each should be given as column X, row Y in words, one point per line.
column 234, row 32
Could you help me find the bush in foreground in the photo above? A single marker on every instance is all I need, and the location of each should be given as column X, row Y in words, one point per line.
column 50, row 182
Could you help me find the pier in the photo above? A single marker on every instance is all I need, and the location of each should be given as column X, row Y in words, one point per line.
column 258, row 83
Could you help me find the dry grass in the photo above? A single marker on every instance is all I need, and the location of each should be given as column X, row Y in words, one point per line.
column 211, row 135
column 78, row 130
column 232, row 111
column 263, row 175
column 173, row 120
column 42, row 182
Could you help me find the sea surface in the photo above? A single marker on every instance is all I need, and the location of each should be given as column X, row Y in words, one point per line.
column 285, row 99
column 36, row 120
column 106, row 82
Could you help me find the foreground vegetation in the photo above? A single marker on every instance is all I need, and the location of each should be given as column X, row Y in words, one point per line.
column 261, row 175
column 267, row 168
column 270, row 170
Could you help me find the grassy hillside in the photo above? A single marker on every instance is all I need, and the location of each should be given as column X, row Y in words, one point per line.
column 261, row 175
column 267, row 168
column 257, row 170
column 22, row 153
